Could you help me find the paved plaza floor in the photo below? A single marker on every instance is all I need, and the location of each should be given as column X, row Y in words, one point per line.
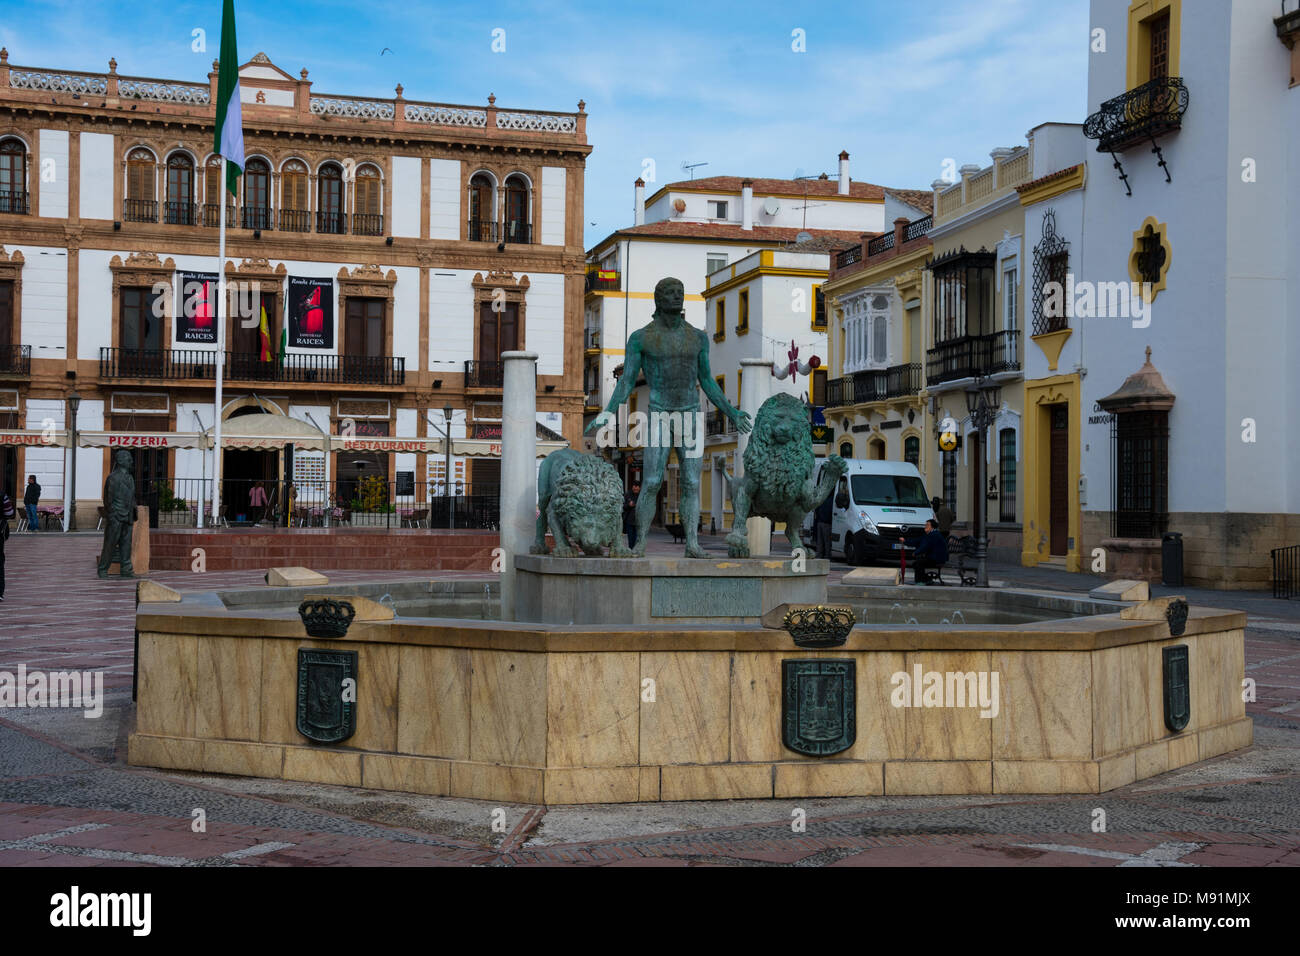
column 67, row 796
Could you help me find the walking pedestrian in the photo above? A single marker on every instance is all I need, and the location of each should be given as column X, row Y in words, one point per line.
column 629, row 514
column 257, row 502
column 4, row 536
column 31, row 498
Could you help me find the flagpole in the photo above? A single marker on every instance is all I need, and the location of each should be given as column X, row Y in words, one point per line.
column 221, row 350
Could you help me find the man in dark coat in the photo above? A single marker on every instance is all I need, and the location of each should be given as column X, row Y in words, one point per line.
column 629, row 514
column 932, row 552
column 119, row 512
column 31, row 498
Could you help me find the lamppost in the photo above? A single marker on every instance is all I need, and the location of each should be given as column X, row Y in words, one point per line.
column 74, row 403
column 982, row 402
column 446, row 486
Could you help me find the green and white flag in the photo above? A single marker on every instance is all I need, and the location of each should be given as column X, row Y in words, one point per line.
column 228, row 140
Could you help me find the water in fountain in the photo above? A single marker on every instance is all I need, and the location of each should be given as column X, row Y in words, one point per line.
column 388, row 599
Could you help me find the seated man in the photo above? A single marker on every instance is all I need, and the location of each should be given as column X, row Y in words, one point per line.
column 932, row 552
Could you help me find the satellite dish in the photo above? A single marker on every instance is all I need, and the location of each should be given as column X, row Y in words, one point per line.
column 771, row 205
column 803, row 236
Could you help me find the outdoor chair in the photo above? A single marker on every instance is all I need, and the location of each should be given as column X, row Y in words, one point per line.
column 418, row 519
column 102, row 516
column 961, row 556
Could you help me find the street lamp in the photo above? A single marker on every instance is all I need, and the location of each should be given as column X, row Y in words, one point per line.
column 451, row 517
column 74, row 403
column 982, row 402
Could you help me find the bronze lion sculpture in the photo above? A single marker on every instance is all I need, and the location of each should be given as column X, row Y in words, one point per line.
column 777, row 483
column 580, row 501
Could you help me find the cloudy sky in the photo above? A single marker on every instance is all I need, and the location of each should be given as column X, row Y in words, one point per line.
column 901, row 85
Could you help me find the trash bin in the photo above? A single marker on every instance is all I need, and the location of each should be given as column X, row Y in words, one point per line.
column 1171, row 558
column 151, row 499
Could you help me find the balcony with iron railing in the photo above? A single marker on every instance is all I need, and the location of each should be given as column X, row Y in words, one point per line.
column 481, row 230
column 484, row 374
column 331, row 222
column 179, row 213
column 716, row 423
column 518, row 231
column 367, row 224
column 592, row 340
column 973, row 355
column 257, row 217
column 874, row 385
column 178, row 365
column 887, row 244
column 14, row 201
column 212, row 214
column 1139, row 115
column 15, row 361
column 602, row 280
column 140, row 210
column 295, row 220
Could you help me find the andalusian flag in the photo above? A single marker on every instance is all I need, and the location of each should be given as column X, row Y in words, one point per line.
column 284, row 345
column 264, row 332
column 228, row 140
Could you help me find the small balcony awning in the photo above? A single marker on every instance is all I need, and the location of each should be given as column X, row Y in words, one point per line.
column 32, row 437
column 271, row 431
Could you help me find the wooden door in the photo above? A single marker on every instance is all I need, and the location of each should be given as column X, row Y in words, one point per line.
column 1059, row 517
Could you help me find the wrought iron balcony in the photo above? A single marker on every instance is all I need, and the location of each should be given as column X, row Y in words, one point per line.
column 257, row 217
column 191, row 364
column 593, row 340
column 516, row 231
column 334, row 223
column 874, row 385
column 140, row 210
column 602, row 280
column 918, row 228
column 295, row 220
column 367, row 224
column 848, row 257
column 973, row 355
column 1138, row 116
column 482, row 230
column 212, row 214
column 14, row 201
column 881, row 243
column 180, row 213
column 483, row 374
column 718, row 424
column 15, row 361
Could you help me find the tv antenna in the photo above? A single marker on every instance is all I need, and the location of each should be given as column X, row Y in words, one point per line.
column 800, row 177
column 691, row 167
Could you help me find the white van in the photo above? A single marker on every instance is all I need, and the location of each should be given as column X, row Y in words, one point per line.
column 875, row 503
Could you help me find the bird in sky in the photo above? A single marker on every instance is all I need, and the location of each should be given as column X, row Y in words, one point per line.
column 385, row 50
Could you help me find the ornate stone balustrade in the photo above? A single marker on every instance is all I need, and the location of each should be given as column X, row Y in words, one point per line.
column 438, row 115
column 537, row 122
column 58, row 82
column 163, row 92
column 352, row 107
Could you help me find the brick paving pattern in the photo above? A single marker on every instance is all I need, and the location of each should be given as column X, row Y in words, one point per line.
column 68, row 798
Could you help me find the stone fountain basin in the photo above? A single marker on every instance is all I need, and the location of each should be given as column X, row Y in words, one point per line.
column 539, row 714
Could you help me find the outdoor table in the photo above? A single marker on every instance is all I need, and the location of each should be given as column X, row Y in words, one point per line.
column 48, row 513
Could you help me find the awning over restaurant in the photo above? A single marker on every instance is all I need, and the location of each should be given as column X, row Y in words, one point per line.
column 143, row 440
column 55, row 438
column 491, row 447
column 270, row 431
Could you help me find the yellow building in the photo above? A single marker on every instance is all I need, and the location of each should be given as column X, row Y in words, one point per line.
column 879, row 292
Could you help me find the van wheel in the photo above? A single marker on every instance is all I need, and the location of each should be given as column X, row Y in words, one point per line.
column 851, row 556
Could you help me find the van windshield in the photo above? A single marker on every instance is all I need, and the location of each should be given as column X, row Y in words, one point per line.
column 904, row 490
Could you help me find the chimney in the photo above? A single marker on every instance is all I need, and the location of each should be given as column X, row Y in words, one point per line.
column 844, row 172
column 747, row 204
column 638, row 218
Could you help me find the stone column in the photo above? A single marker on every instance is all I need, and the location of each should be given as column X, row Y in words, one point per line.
column 518, row 467
column 755, row 387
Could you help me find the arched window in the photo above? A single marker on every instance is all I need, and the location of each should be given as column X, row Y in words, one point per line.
column 482, row 214
column 912, row 450
column 846, row 449
column 13, row 176
column 257, row 194
column 141, row 200
column 295, row 215
column 368, row 211
column 212, row 190
column 518, row 209
column 329, row 199
column 178, row 210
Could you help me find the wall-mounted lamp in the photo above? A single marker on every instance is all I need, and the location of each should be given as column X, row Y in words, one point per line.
column 437, row 383
column 501, row 247
column 257, row 233
column 117, row 226
column 550, row 388
column 388, row 241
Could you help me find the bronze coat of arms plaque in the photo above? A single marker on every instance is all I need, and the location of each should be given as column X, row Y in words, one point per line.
column 819, row 705
column 327, row 709
column 1178, row 687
